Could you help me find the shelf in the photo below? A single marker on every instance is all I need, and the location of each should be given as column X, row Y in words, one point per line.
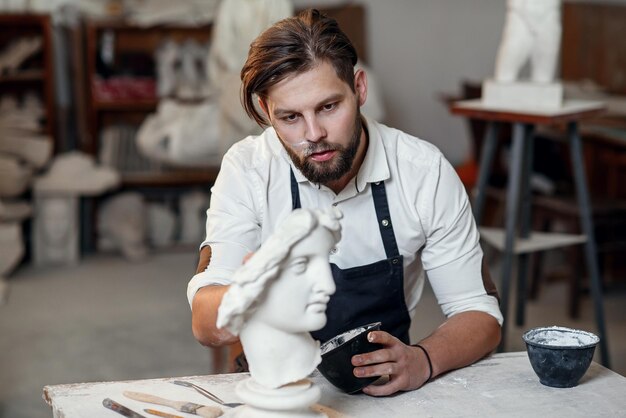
column 174, row 177
column 536, row 241
column 23, row 75
column 126, row 105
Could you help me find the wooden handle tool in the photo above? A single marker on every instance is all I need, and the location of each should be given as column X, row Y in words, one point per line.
column 160, row 413
column 188, row 407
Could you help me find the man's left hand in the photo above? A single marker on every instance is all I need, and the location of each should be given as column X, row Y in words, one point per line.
column 405, row 365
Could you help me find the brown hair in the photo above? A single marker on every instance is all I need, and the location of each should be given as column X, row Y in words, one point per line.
column 293, row 46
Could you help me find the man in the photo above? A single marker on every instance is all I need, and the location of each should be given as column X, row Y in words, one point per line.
column 405, row 211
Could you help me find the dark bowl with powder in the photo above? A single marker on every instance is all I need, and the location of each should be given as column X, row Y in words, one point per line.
column 336, row 365
column 560, row 356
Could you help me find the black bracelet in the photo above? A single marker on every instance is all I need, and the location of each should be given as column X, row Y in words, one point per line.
column 430, row 365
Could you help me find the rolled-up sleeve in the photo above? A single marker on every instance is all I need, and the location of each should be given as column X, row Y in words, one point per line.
column 233, row 228
column 452, row 257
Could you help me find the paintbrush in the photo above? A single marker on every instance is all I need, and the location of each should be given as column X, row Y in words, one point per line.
column 161, row 414
column 187, row 407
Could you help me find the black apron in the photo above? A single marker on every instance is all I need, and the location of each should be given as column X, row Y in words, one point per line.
column 369, row 293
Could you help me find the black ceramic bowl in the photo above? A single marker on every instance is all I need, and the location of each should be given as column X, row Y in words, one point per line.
column 560, row 356
column 336, row 365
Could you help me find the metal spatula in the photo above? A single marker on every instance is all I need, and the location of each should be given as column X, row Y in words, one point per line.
column 207, row 393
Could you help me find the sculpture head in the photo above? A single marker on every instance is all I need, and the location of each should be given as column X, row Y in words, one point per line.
column 56, row 220
column 287, row 283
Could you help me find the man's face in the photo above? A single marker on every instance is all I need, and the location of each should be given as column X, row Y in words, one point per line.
column 316, row 116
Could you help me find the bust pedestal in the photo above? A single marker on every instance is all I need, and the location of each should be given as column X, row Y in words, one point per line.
column 523, row 95
column 292, row 400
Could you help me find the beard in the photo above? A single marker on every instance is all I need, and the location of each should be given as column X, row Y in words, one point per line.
column 322, row 172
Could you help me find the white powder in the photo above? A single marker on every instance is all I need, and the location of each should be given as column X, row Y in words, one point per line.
column 561, row 337
column 343, row 338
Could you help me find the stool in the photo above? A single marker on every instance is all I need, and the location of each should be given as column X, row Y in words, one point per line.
column 517, row 240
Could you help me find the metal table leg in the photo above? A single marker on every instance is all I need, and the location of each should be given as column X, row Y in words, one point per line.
column 512, row 210
column 486, row 162
column 525, row 223
column 591, row 253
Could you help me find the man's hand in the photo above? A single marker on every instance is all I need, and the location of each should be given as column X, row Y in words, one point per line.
column 405, row 365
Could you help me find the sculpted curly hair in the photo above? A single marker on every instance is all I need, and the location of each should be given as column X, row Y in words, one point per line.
column 251, row 279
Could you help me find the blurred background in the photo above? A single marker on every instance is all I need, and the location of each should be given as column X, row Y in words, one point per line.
column 114, row 116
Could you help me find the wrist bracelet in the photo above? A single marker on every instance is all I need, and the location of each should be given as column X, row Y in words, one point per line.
column 430, row 365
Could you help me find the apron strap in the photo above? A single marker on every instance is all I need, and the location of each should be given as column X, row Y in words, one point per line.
column 384, row 219
column 295, row 193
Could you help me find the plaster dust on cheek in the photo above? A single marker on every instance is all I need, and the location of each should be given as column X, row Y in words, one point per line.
column 300, row 145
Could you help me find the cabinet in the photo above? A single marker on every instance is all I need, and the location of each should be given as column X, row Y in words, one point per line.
column 116, row 50
column 35, row 73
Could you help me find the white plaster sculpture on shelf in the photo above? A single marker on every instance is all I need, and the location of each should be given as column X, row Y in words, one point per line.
column 275, row 300
column 18, row 51
column 193, row 82
column 14, row 210
column 532, row 31
column 76, row 173
column 237, row 24
column 21, row 117
column 166, row 12
column 183, row 134
column 167, row 57
column 199, row 133
column 162, row 224
column 122, row 225
column 56, row 193
column 15, row 176
column 35, row 150
column 192, row 207
column 55, row 232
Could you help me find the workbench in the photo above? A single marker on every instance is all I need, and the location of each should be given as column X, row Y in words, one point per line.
column 502, row 385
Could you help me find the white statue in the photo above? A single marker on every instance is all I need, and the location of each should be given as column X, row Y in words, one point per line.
column 15, row 176
column 76, row 173
column 198, row 134
column 122, row 224
column 192, row 206
column 532, row 30
column 161, row 224
column 55, row 232
column 275, row 300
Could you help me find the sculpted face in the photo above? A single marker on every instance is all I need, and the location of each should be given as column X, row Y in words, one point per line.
column 296, row 301
column 56, row 221
column 316, row 116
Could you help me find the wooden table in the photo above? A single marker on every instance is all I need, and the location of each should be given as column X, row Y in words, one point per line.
column 503, row 385
column 517, row 241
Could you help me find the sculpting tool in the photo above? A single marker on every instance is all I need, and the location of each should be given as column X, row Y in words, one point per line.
column 120, row 409
column 187, row 407
column 206, row 393
column 161, row 414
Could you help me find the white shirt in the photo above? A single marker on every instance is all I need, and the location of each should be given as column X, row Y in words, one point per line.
column 430, row 214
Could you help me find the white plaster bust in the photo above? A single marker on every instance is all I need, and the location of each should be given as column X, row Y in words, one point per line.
column 532, row 30
column 55, row 235
column 280, row 295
